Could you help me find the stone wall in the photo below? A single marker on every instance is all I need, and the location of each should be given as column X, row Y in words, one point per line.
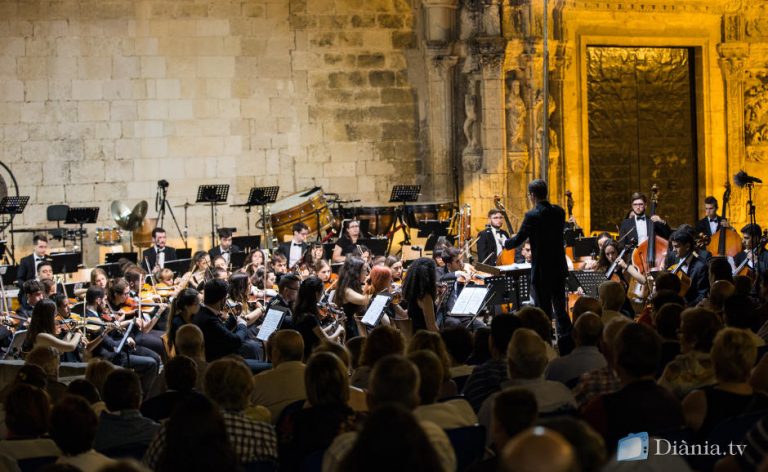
column 101, row 99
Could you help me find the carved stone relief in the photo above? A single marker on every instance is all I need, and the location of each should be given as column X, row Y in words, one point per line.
column 756, row 114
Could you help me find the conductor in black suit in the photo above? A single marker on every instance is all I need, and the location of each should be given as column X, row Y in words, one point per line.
column 225, row 248
column 543, row 227
column 712, row 222
column 639, row 224
column 157, row 255
column 295, row 249
column 694, row 267
column 28, row 265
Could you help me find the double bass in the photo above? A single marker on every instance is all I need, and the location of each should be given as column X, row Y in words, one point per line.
column 507, row 256
column 649, row 255
column 726, row 241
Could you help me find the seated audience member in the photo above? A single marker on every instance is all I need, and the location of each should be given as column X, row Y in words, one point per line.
column 526, row 361
column 587, row 444
column 612, row 295
column 414, row 450
column 458, row 342
column 355, row 347
column 481, row 347
column 181, row 377
column 314, row 428
column 453, row 413
column 48, row 359
column 26, row 417
column 229, row 384
column 653, row 408
column 85, row 389
column 755, row 451
column 733, row 355
column 487, row 378
column 739, row 312
column 535, row 319
column 394, row 381
column 692, row 368
column 73, row 428
column 538, row 448
column 585, row 357
column 581, row 306
column 603, row 380
column 718, row 293
column 381, row 342
column 357, row 397
column 122, row 429
column 97, row 372
column 431, row 341
column 189, row 343
column 667, row 321
column 284, row 383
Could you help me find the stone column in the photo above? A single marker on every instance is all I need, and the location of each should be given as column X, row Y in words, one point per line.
column 732, row 62
column 440, row 166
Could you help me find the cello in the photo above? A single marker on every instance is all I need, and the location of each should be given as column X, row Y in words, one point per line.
column 726, row 241
column 507, row 256
column 649, row 255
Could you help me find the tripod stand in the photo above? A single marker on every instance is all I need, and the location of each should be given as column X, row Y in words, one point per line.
column 401, row 194
column 261, row 196
column 162, row 203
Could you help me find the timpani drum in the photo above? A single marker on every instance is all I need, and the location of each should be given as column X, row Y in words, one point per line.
column 421, row 211
column 378, row 218
column 308, row 207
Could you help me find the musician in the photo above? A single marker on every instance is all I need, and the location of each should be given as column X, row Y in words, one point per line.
column 240, row 289
column 224, row 334
column 28, row 265
column 750, row 238
column 349, row 292
column 694, row 266
column 608, row 255
column 525, row 251
column 33, row 291
column 543, row 227
column 307, row 318
column 295, row 249
column 279, row 264
column 99, row 278
column 420, row 290
column 397, row 268
column 288, row 289
column 44, row 332
column 120, row 302
column 253, row 261
column 183, row 309
column 45, row 270
column 455, row 278
column 712, row 222
column 346, row 243
column 637, row 223
column 159, row 253
column 380, row 282
column 199, row 269
column 491, row 240
column 225, row 248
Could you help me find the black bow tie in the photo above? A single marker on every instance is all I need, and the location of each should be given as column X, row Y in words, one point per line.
column 160, row 250
column 713, row 220
column 640, row 218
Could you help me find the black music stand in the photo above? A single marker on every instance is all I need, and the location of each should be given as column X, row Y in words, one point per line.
column 213, row 195
column 584, row 247
column 378, row 246
column 116, row 256
column 588, row 280
column 81, row 216
column 510, row 287
column 67, row 262
column 261, row 196
column 401, row 194
column 179, row 266
column 113, row 270
column 13, row 206
column 247, row 243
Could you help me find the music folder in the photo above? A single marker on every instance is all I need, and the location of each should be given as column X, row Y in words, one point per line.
column 375, row 310
column 470, row 301
column 271, row 323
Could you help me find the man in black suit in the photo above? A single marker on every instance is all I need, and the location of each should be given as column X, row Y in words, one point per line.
column 157, row 255
column 712, row 222
column 28, row 265
column 222, row 336
column 750, row 237
column 225, row 248
column 295, row 249
column 543, row 228
column 639, row 225
column 491, row 240
column 694, row 267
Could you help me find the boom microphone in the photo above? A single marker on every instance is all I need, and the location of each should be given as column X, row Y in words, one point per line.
column 743, row 179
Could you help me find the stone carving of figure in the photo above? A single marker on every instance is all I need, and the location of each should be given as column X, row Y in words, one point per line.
column 515, row 118
column 470, row 122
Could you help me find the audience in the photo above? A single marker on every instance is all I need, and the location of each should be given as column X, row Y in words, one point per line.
column 431, row 341
column 585, row 357
column 538, row 449
column 181, row 377
column 449, row 414
column 603, row 380
column 73, row 428
column 189, row 342
column 587, row 444
column 284, row 383
column 85, row 389
column 536, row 320
column 458, row 342
column 581, row 305
column 667, row 321
column 612, row 295
column 381, row 342
column 48, row 359
column 27, row 420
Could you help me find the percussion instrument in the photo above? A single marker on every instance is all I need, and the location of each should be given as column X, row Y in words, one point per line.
column 308, row 207
column 108, row 236
column 442, row 211
column 142, row 237
column 379, row 218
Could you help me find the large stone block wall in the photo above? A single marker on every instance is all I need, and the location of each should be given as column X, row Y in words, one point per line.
column 101, row 99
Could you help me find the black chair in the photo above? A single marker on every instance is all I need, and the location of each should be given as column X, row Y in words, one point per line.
column 259, row 466
column 468, row 444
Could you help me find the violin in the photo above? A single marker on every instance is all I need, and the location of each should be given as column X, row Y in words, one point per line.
column 11, row 320
column 331, row 282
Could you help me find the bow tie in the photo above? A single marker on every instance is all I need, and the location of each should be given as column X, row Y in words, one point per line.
column 713, row 220
column 640, row 218
column 160, row 250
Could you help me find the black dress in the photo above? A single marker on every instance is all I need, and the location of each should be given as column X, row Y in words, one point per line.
column 416, row 314
column 346, row 245
column 306, row 327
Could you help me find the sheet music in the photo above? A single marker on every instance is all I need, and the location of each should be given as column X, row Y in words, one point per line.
column 373, row 314
column 470, row 301
column 521, row 266
column 270, row 325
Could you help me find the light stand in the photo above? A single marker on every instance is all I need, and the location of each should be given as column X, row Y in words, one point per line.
column 162, row 193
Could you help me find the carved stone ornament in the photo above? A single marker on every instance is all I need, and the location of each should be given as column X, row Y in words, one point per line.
column 439, row 21
column 490, row 49
column 756, row 108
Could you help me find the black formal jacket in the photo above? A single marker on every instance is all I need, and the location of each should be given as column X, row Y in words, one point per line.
column 285, row 249
column 220, row 339
column 543, row 227
column 628, row 225
column 697, row 272
column 486, row 246
column 150, row 255
column 216, row 252
column 26, row 270
column 702, row 226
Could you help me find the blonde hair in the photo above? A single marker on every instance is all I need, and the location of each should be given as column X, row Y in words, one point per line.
column 526, row 354
column 229, row 383
column 733, row 355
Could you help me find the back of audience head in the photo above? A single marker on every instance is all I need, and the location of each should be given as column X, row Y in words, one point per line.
column 481, row 348
column 215, row 291
column 662, row 297
column 585, row 304
column 667, row 319
column 404, row 435
column 719, row 269
column 667, row 281
column 229, row 383
column 538, row 449
column 698, row 327
column 27, row 410
column 181, row 374
column 431, row 341
column 430, row 375
column 73, row 425
column 458, row 343
column 719, row 291
column 611, row 295
column 190, row 342
column 526, row 355
column 286, row 345
column 638, row 351
column 514, row 410
column 587, row 443
column 381, row 342
column 733, row 355
column 739, row 312
column 97, row 371
column 47, row 358
column 84, row 389
column 535, row 319
column 502, row 329
column 743, row 285
column 355, row 346
column 122, row 390
column 339, row 350
column 587, row 330
column 394, row 379
column 326, row 380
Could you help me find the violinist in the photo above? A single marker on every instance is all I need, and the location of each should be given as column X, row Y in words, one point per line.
column 279, row 265
column 455, row 278
column 637, row 223
column 694, row 267
column 308, row 320
column 240, row 289
column 397, row 268
column 199, row 270
column 753, row 250
column 224, row 334
column 64, row 325
column 34, row 291
column 49, row 287
column 712, row 222
column 346, row 243
column 43, row 330
column 124, row 308
column 608, row 255
column 420, row 290
column 220, row 263
column 311, row 258
column 45, row 270
column 322, row 270
column 183, row 309
column 349, row 292
column 381, row 283
column 296, row 249
column 288, row 289
column 255, row 259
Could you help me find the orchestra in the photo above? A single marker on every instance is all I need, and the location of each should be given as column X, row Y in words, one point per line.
column 130, row 314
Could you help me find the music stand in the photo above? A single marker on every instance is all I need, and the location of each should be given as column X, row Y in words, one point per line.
column 112, row 270
column 378, row 246
column 67, row 262
column 261, row 196
column 584, row 247
column 237, row 259
column 212, row 194
column 247, row 243
column 13, row 206
column 179, row 266
column 588, row 280
column 116, row 256
column 81, row 216
column 401, row 194
column 184, row 253
column 375, row 310
column 510, row 287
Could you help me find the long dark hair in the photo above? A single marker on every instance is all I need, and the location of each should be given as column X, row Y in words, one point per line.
column 187, row 297
column 238, row 288
column 43, row 316
column 602, row 262
column 420, row 280
column 349, row 277
column 306, row 301
column 196, row 258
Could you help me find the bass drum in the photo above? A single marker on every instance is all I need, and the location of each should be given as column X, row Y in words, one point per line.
column 417, row 213
column 308, row 207
column 375, row 220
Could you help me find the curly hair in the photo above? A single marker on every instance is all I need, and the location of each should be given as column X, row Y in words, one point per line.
column 420, row 280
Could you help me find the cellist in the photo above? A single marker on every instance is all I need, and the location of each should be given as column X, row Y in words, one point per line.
column 711, row 222
column 490, row 241
column 637, row 222
column 691, row 264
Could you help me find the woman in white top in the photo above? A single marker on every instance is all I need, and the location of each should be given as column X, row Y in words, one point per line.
column 44, row 331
